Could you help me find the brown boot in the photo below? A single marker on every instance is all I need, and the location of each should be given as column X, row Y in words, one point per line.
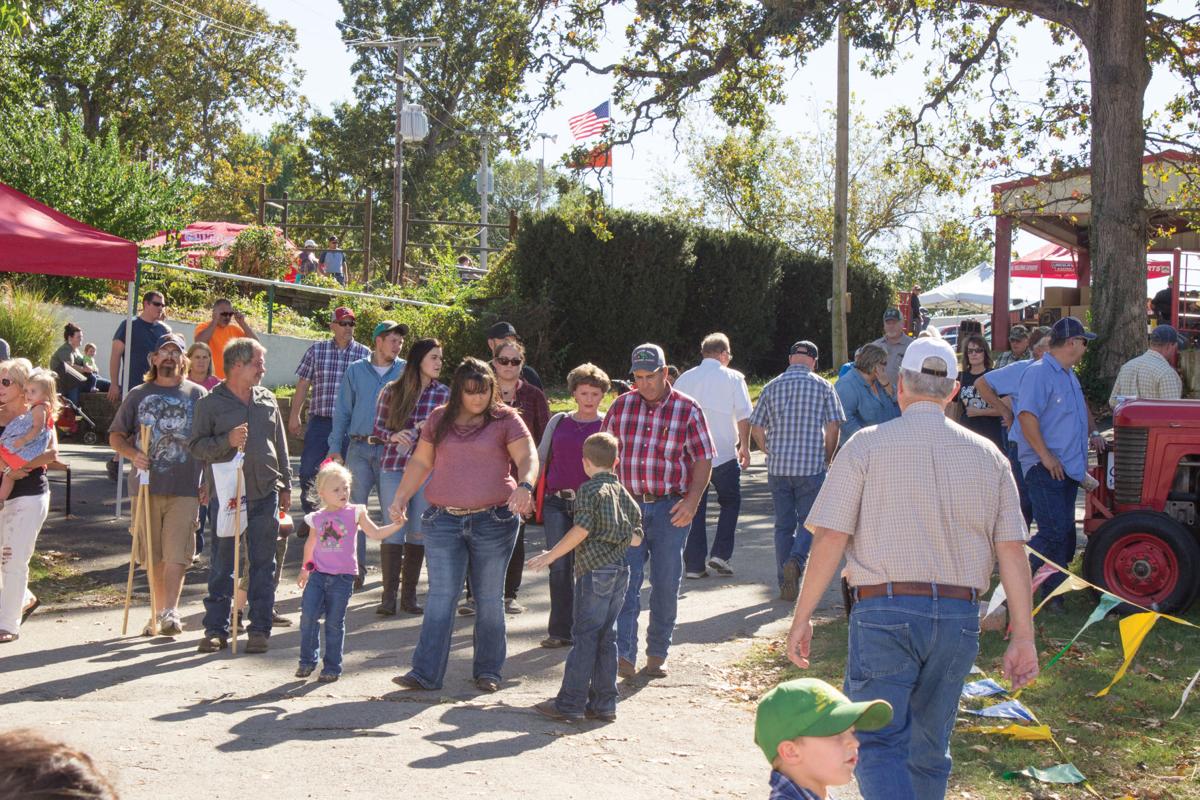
column 390, row 556
column 414, row 555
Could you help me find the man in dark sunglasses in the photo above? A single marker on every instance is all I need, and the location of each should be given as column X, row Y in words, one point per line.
column 227, row 324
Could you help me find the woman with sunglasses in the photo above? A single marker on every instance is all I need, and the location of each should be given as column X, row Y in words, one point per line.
column 530, row 402
column 977, row 415
column 467, row 449
column 23, row 514
column 403, row 407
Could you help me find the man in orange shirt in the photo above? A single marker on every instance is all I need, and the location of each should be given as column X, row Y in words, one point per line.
column 227, row 324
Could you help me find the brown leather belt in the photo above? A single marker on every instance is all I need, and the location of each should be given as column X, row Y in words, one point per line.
column 454, row 511
column 367, row 439
column 646, row 497
column 913, row 589
column 564, row 494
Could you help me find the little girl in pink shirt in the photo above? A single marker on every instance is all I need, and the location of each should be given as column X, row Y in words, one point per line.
column 330, row 567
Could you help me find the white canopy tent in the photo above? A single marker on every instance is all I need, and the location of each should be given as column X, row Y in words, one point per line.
column 973, row 289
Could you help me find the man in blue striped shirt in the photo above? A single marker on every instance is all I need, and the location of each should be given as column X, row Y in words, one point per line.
column 796, row 423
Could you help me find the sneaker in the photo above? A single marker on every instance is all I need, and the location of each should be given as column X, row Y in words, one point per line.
column 790, row 588
column 408, row 682
column 303, row 671
column 169, row 624
column 720, row 566
column 257, row 643
column 696, row 575
column 548, row 708
column 511, row 606
column 467, row 609
column 327, row 677
column 211, row 643
column 554, row 642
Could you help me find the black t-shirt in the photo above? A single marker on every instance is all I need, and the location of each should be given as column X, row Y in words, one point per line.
column 988, row 427
column 33, row 484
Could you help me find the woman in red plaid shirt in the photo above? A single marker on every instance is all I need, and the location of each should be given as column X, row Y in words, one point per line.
column 404, row 405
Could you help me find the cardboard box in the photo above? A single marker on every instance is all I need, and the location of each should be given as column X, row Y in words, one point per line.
column 1060, row 296
column 1085, row 295
column 1078, row 312
column 1049, row 316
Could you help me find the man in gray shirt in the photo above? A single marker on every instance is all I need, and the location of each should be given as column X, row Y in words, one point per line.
column 241, row 415
column 895, row 341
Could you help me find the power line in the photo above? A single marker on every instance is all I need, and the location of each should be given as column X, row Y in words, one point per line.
column 229, row 27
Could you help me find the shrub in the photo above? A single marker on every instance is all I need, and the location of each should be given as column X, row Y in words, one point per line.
column 455, row 327
column 32, row 328
column 259, row 252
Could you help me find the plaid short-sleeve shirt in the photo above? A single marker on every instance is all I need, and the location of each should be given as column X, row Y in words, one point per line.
column 610, row 516
column 937, row 524
column 659, row 443
column 793, row 410
column 324, row 364
column 395, row 456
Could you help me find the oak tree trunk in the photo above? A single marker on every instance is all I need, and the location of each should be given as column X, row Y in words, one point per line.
column 1120, row 72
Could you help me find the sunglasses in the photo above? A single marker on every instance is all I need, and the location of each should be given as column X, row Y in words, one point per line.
column 504, row 361
column 347, row 323
column 226, row 314
column 6, row 381
column 974, row 351
column 156, row 303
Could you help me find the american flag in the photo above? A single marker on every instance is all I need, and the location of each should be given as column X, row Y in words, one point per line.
column 590, row 123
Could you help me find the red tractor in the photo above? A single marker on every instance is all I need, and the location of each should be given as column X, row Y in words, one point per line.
column 1143, row 521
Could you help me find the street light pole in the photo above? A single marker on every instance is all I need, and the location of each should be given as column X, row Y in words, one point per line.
column 542, row 166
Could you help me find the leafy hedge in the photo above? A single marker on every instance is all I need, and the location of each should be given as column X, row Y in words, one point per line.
column 578, row 294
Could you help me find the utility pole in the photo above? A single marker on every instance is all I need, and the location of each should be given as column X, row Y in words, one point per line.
column 485, row 181
column 542, row 166
column 400, row 45
column 840, row 204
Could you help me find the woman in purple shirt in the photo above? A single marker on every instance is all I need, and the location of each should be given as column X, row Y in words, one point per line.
column 560, row 455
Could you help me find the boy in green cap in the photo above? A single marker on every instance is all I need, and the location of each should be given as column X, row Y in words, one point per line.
column 805, row 729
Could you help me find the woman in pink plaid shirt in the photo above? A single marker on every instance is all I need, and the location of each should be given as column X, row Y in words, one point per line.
column 404, row 405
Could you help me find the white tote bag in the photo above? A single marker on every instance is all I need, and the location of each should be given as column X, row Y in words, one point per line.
column 225, row 476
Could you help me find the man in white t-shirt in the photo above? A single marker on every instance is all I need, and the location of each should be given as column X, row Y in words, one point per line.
column 725, row 399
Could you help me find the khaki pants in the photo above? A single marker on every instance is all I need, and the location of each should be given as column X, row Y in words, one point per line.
column 172, row 528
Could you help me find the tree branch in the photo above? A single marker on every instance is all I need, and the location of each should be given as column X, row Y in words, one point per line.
column 1061, row 12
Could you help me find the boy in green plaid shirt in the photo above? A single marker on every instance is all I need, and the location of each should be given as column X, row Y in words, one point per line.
column 607, row 521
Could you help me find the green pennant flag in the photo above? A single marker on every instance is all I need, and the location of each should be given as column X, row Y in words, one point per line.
column 1059, row 773
column 1106, row 604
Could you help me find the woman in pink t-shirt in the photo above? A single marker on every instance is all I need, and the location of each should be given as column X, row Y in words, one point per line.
column 467, row 450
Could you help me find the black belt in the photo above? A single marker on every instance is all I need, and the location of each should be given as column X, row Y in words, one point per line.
column 367, row 439
column 913, row 589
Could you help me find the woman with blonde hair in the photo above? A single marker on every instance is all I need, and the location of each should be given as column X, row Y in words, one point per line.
column 200, row 366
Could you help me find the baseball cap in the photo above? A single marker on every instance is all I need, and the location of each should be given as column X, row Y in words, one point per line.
column 1018, row 333
column 171, row 338
column 341, row 312
column 803, row 347
column 501, row 330
column 387, row 326
column 892, row 313
column 811, row 707
column 1070, row 328
column 309, row 243
column 922, row 349
column 648, row 357
column 333, row 238
column 1164, row 334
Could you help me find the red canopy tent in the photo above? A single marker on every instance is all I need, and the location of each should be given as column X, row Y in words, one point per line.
column 199, row 239
column 36, row 238
column 1056, row 261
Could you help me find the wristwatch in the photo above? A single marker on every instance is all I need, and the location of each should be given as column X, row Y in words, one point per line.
column 526, row 485
column 311, row 566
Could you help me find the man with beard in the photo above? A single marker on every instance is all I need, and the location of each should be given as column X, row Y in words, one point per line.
column 165, row 402
column 241, row 415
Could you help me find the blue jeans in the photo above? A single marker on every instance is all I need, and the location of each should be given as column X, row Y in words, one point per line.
column 662, row 543
column 915, row 653
column 362, row 460
column 90, row 384
column 1022, row 489
column 200, row 525
column 590, row 677
column 262, row 531
column 389, row 482
column 557, row 519
column 482, row 543
column 1054, row 509
column 327, row 595
column 727, row 480
column 793, row 496
column 316, row 447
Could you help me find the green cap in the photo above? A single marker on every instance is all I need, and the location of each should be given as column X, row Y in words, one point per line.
column 811, row 707
column 388, row 326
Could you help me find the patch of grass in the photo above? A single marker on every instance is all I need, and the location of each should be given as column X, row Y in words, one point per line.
column 1125, row 743
column 55, row 580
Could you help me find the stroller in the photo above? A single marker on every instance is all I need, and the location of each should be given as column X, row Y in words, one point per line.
column 72, row 422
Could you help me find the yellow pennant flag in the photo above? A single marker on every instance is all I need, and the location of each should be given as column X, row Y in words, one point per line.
column 1071, row 583
column 1022, row 733
column 1133, row 632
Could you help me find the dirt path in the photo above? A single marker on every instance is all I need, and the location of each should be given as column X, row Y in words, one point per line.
column 172, row 723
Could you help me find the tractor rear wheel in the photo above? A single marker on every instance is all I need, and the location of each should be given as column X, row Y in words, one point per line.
column 1146, row 558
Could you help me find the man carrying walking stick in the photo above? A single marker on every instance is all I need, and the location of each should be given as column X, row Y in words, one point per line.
column 163, row 406
column 241, row 415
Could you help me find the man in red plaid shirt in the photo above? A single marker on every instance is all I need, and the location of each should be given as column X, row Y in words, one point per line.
column 665, row 463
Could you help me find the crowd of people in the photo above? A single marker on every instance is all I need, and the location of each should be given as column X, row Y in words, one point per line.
column 868, row 470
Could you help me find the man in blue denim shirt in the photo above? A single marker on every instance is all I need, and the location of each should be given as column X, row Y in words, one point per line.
column 1053, row 445
column 354, row 417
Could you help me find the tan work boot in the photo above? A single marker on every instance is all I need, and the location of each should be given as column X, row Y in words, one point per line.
column 656, row 667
